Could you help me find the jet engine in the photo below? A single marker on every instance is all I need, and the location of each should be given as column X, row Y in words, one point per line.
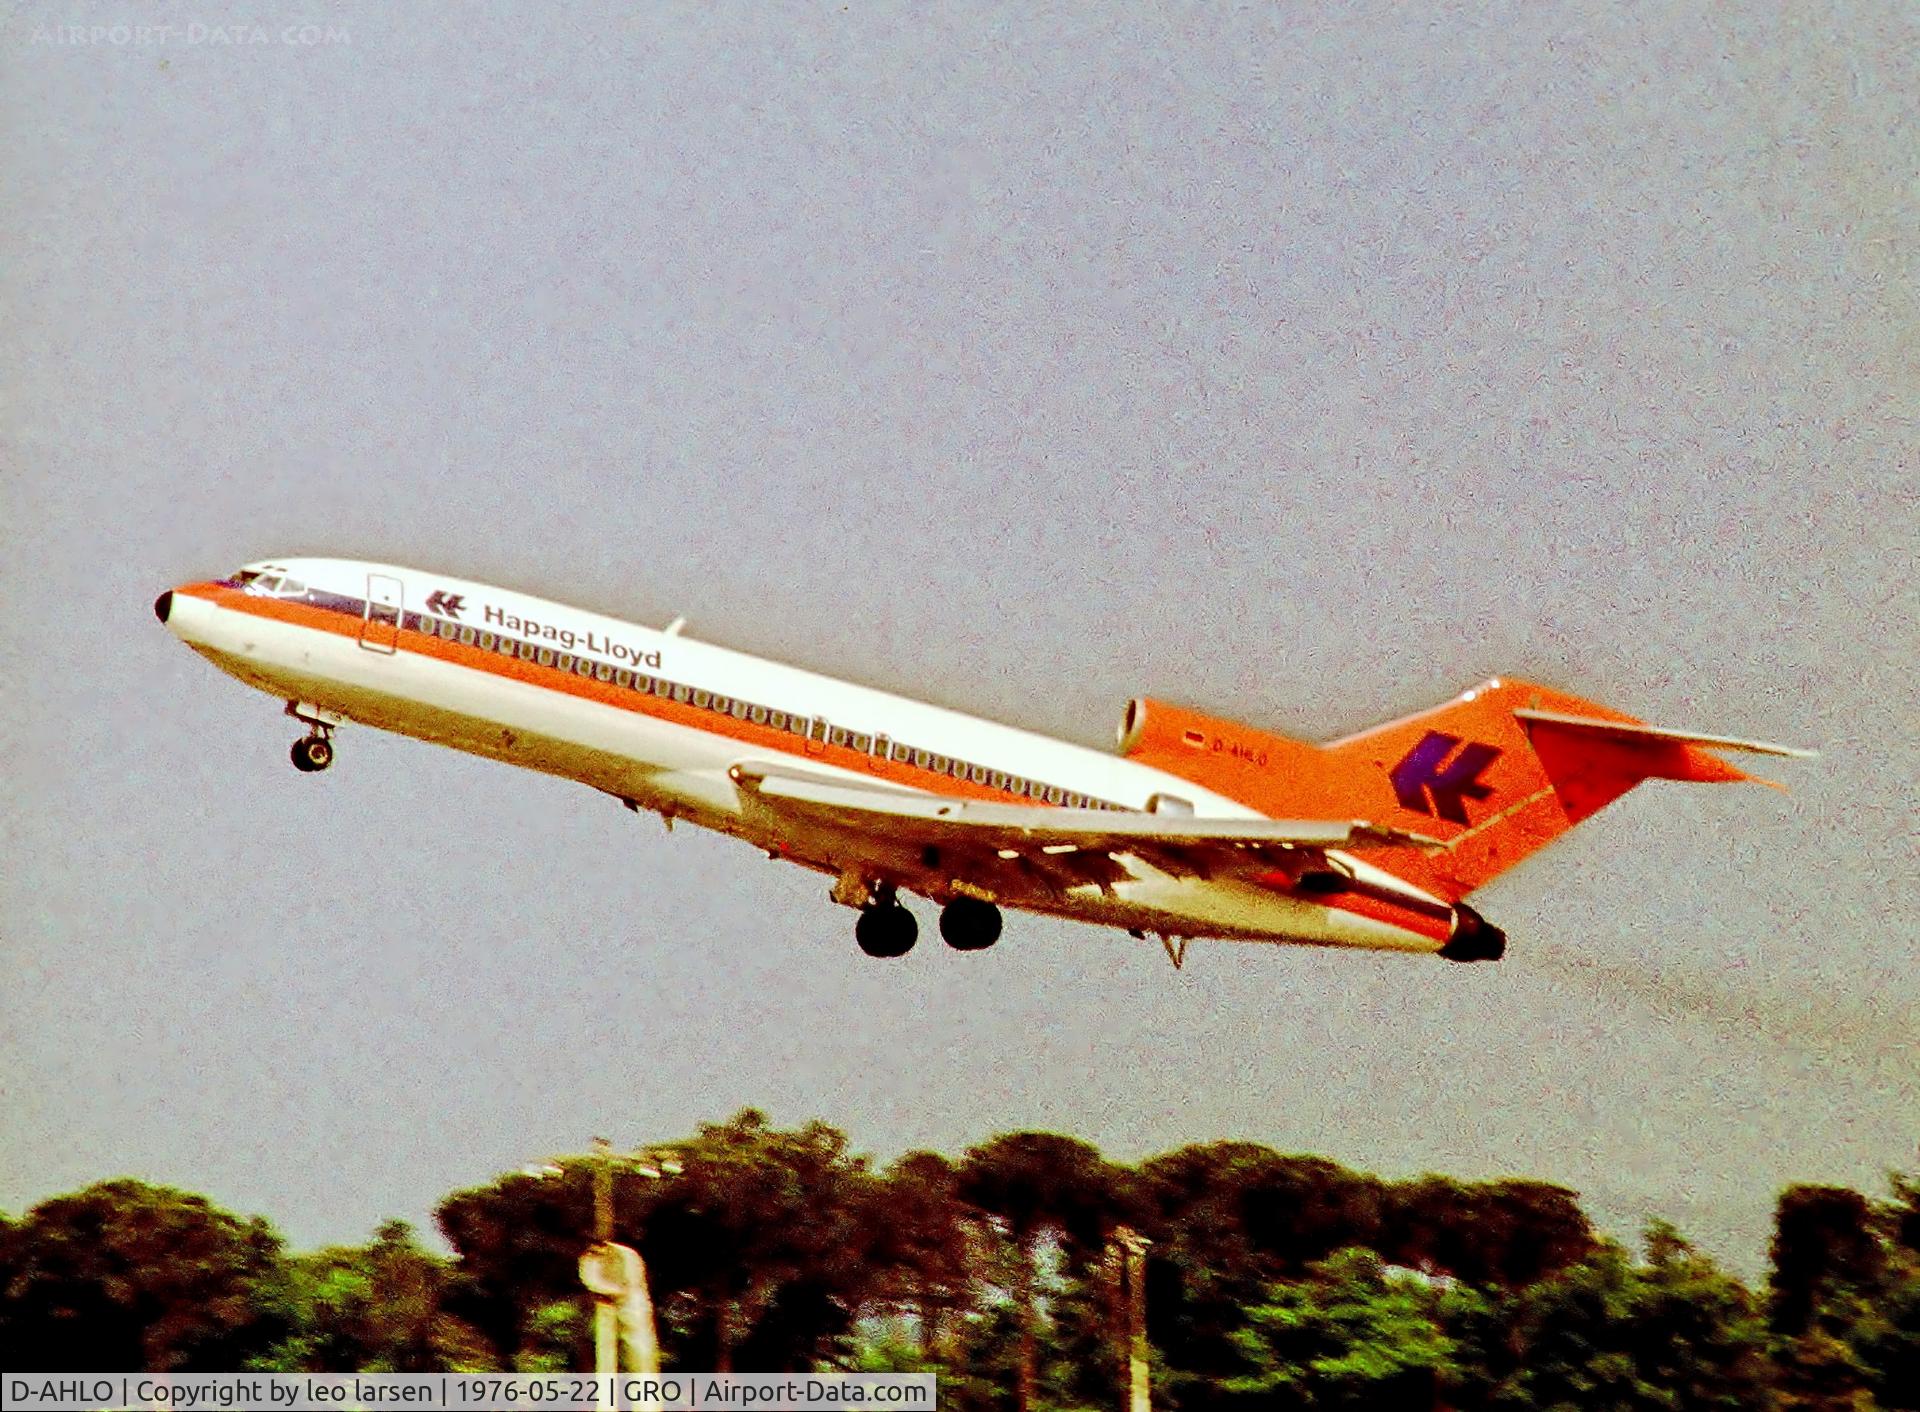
column 1474, row 937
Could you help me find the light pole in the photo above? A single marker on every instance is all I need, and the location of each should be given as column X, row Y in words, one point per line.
column 1131, row 1248
column 615, row 1274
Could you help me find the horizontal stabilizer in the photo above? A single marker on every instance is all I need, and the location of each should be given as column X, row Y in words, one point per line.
column 1634, row 730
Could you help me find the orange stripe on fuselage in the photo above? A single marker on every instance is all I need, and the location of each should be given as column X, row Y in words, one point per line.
column 459, row 654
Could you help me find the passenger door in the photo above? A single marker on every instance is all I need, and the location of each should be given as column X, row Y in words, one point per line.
column 380, row 629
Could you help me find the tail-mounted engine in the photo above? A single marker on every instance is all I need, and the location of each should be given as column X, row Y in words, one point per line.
column 1474, row 937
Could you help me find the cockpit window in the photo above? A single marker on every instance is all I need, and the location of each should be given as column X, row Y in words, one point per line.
column 270, row 581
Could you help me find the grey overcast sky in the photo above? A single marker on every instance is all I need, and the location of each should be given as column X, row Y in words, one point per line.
column 1302, row 362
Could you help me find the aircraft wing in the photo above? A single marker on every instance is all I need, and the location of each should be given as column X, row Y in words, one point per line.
column 1064, row 847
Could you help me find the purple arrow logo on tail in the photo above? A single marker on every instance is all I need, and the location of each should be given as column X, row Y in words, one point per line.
column 1424, row 780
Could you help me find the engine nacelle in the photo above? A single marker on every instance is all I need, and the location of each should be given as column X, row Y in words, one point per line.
column 1232, row 758
column 1474, row 937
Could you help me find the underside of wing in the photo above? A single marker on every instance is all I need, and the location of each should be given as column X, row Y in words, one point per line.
column 1065, row 847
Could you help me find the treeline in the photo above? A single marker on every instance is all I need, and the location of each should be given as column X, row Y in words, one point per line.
column 1272, row 1282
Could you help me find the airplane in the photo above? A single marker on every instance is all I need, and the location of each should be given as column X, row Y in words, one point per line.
column 1197, row 828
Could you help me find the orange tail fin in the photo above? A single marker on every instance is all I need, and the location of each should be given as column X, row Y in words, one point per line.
column 1496, row 774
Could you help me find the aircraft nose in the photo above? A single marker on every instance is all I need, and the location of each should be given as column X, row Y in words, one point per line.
column 163, row 605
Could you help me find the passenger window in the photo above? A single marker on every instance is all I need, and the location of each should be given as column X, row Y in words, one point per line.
column 623, row 677
column 466, row 636
column 546, row 656
column 486, row 642
column 862, row 743
column 603, row 671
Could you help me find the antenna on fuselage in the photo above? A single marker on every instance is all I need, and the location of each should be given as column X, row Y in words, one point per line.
column 673, row 628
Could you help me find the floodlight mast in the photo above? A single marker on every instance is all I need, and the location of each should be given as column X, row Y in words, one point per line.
column 616, row 1276
column 606, row 1316
column 1131, row 1249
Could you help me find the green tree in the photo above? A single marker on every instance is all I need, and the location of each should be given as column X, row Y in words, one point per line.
column 129, row 1275
column 375, row 1308
column 1040, row 1188
column 1887, row 1345
column 1228, row 1219
column 1349, row 1336
column 1509, row 1233
column 1825, row 1247
column 929, row 1246
column 1676, row 1335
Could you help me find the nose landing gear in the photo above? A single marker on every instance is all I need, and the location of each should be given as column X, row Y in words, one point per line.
column 312, row 753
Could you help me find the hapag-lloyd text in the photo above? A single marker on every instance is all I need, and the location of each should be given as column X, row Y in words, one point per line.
column 588, row 641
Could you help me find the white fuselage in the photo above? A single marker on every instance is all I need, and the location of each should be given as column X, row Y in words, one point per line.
column 659, row 720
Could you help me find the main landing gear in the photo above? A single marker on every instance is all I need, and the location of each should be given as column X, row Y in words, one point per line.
column 968, row 924
column 887, row 929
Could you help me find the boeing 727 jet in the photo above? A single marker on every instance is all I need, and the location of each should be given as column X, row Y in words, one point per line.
column 1197, row 827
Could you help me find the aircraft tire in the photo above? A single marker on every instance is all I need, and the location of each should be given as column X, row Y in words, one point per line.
column 886, row 931
column 312, row 753
column 968, row 924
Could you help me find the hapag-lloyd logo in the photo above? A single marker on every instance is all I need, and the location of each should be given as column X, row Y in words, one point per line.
column 588, row 641
column 1426, row 781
